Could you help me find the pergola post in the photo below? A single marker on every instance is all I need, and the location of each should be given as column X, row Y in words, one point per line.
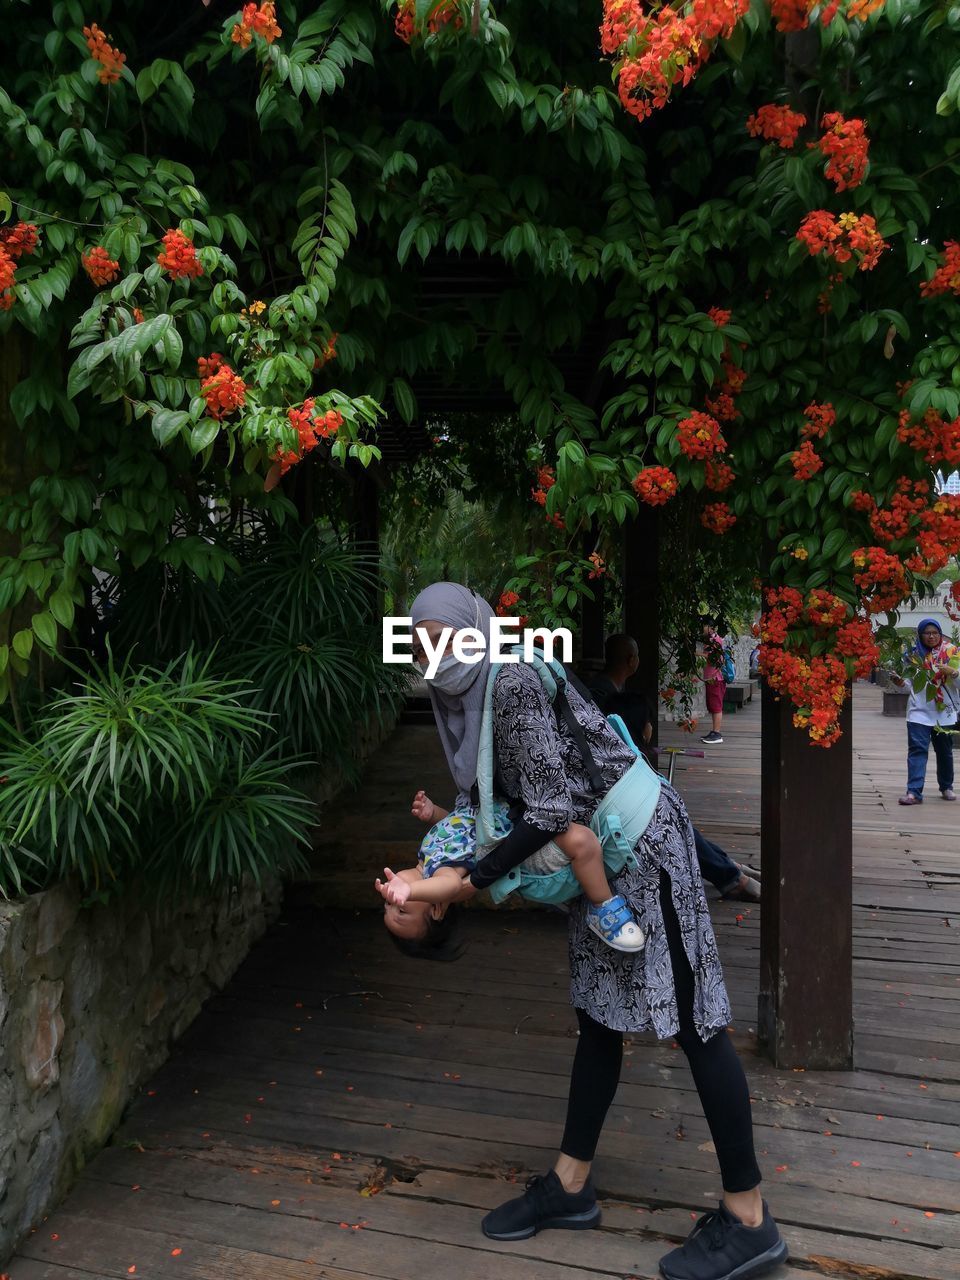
column 365, row 520
column 592, row 632
column 641, row 602
column 805, row 1012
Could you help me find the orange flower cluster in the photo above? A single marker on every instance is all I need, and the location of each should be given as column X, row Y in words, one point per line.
column 111, row 60
column 794, row 15
column 178, row 257
column 444, row 15
column 846, row 146
column 328, row 353
column 806, row 462
column 311, row 428
column 860, row 10
column 699, row 436
column 556, row 520
column 722, row 407
column 934, row 436
column 621, row 20
column 14, row 243
column 599, row 568
column 655, row 485
column 940, row 536
column 815, row 684
column 881, row 578
column 222, row 389
column 19, row 239
column 717, row 517
column 946, row 278
column 256, row 20
column 844, row 238
column 545, row 482
column 718, row 477
column 99, row 266
column 824, row 609
column 819, row 419
column 207, row 365
column 8, row 271
column 896, row 521
column 791, row 15
column 854, row 640
column 952, row 602
column 776, row 124
column 507, row 602
column 662, row 48
column 719, row 316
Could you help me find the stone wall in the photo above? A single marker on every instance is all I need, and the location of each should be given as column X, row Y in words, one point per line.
column 91, row 999
column 742, row 647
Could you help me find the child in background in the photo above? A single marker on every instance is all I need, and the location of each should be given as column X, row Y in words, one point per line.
column 713, row 682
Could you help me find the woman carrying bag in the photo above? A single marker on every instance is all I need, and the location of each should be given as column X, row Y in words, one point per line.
column 558, row 765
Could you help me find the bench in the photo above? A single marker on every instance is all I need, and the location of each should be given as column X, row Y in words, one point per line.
column 737, row 695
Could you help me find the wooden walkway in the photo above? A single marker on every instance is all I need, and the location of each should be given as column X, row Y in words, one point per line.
column 340, row 1113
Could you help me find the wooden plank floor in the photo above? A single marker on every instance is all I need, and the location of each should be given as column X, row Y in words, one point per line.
column 340, row 1112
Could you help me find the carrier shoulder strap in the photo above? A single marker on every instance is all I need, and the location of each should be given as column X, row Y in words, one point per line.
column 555, row 680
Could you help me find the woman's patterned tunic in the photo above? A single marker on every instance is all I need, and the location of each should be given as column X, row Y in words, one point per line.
column 540, row 763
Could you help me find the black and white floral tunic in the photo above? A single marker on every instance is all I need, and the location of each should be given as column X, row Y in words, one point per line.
column 540, row 763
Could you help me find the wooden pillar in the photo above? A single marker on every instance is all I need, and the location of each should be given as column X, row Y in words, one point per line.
column 641, row 603
column 805, row 1013
column 365, row 522
column 592, row 629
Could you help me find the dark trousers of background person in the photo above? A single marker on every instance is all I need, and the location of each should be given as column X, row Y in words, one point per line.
column 717, row 1073
column 918, row 749
column 715, row 866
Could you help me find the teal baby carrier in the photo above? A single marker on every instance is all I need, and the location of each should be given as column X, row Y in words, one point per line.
column 619, row 820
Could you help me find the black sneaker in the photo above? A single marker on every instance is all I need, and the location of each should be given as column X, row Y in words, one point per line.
column 544, row 1204
column 721, row 1247
column 712, row 738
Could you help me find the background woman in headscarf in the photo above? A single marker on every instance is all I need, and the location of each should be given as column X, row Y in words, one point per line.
column 933, row 693
column 674, row 986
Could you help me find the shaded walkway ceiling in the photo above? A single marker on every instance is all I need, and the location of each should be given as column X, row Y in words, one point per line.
column 464, row 291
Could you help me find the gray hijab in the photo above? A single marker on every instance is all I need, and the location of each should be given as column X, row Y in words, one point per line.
column 458, row 716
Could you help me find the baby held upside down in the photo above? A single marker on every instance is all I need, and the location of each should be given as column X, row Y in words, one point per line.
column 416, row 900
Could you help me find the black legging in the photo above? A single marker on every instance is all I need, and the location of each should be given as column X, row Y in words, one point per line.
column 717, row 1073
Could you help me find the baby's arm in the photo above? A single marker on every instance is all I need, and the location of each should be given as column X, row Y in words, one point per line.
column 447, row 884
column 424, row 809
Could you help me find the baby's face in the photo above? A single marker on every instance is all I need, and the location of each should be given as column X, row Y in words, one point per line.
column 409, row 921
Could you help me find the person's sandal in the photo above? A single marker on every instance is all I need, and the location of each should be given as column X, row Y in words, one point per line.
column 910, row 798
column 613, row 922
column 745, row 890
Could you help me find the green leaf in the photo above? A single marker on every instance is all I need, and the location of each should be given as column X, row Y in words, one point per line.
column 61, row 606
column 404, row 399
column 45, row 629
column 167, row 425
column 203, row 434
column 23, row 644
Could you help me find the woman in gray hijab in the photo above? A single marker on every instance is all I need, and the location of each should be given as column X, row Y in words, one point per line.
column 417, row 899
column 674, row 986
